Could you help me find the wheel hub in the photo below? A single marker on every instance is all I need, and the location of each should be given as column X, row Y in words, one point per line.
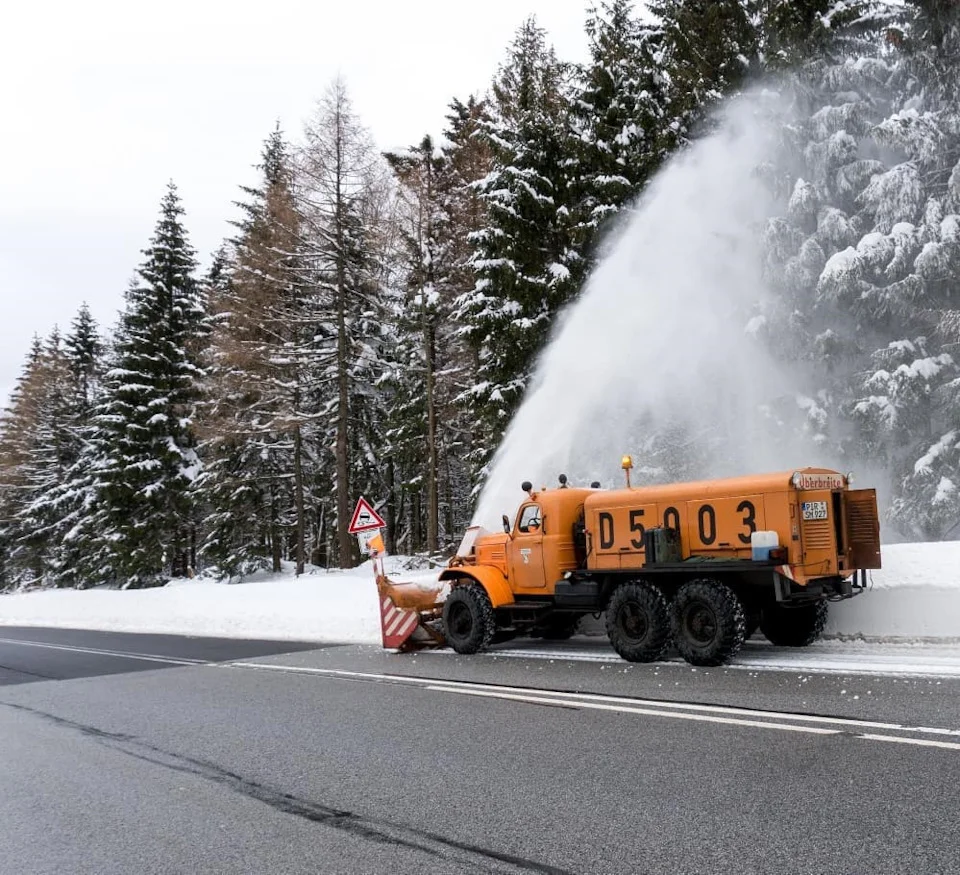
column 700, row 624
column 459, row 621
column 633, row 621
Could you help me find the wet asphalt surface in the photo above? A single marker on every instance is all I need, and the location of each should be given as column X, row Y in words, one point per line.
column 145, row 753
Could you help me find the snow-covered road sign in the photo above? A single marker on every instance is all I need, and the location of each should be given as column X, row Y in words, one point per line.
column 365, row 518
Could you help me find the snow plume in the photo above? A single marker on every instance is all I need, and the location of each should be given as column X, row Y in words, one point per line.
column 663, row 355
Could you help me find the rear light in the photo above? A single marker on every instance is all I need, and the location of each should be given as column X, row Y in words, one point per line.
column 779, row 554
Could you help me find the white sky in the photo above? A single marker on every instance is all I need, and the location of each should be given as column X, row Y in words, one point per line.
column 102, row 102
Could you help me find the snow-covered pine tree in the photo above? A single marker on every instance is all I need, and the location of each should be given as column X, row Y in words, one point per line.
column 526, row 263
column 58, row 512
column 619, row 116
column 342, row 194
column 261, row 364
column 24, row 442
column 50, row 452
column 144, row 527
column 429, row 353
column 868, row 247
column 924, row 386
column 707, row 49
column 797, row 34
column 470, row 160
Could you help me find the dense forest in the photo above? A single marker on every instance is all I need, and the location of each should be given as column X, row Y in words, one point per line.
column 373, row 322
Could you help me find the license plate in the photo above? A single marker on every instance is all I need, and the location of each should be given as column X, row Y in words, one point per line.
column 814, row 510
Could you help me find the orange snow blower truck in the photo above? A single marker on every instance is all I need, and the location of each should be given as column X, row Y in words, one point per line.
column 701, row 565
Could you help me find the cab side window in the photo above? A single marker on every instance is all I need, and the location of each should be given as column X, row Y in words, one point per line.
column 530, row 519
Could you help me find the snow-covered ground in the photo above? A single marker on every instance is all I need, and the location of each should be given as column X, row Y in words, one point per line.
column 915, row 598
column 317, row 606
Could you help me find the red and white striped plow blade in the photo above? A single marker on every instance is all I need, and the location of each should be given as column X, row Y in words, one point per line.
column 396, row 625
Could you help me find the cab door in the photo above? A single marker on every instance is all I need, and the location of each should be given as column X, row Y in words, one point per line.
column 526, row 550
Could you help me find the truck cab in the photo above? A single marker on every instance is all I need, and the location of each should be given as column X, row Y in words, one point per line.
column 540, row 547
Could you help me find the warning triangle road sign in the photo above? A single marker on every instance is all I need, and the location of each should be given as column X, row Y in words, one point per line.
column 365, row 518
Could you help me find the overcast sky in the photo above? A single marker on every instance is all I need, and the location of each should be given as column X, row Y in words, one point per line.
column 102, row 102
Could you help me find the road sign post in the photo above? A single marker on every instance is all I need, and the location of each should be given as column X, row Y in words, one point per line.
column 366, row 525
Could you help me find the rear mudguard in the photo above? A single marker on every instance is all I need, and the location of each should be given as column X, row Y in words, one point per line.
column 491, row 579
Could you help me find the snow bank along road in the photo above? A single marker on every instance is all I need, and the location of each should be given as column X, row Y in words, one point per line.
column 916, row 597
column 166, row 754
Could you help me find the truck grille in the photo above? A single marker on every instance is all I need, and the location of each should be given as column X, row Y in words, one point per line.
column 818, row 535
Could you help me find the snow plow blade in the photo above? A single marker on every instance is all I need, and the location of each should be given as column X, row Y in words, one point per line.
column 410, row 614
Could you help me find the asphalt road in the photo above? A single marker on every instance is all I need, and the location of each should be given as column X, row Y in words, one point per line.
column 143, row 754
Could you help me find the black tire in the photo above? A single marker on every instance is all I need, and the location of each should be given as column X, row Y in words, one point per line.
column 469, row 623
column 708, row 622
column 559, row 627
column 796, row 626
column 638, row 622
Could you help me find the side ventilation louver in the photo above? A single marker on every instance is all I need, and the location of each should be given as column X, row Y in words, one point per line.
column 863, row 527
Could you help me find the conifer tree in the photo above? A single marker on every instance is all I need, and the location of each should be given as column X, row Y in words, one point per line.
column 58, row 512
column 260, row 372
column 341, row 194
column 145, row 526
column 619, row 115
column 527, row 266
column 709, row 47
column 20, row 424
column 866, row 250
column 428, row 351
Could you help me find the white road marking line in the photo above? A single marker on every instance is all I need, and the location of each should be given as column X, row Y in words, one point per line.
column 920, row 742
column 142, row 657
column 756, row 660
column 654, row 707
column 647, row 712
column 720, row 709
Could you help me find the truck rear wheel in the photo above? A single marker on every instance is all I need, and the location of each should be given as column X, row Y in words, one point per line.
column 708, row 622
column 468, row 619
column 794, row 627
column 638, row 622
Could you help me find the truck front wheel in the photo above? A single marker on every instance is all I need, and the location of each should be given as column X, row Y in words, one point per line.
column 708, row 622
column 468, row 619
column 638, row 622
column 794, row 627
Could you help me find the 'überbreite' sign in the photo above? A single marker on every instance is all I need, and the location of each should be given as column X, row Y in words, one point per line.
column 820, row 481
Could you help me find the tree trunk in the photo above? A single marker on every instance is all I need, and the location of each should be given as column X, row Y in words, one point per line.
column 433, row 508
column 344, row 540
column 416, row 524
column 298, row 496
column 391, row 508
column 274, row 532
